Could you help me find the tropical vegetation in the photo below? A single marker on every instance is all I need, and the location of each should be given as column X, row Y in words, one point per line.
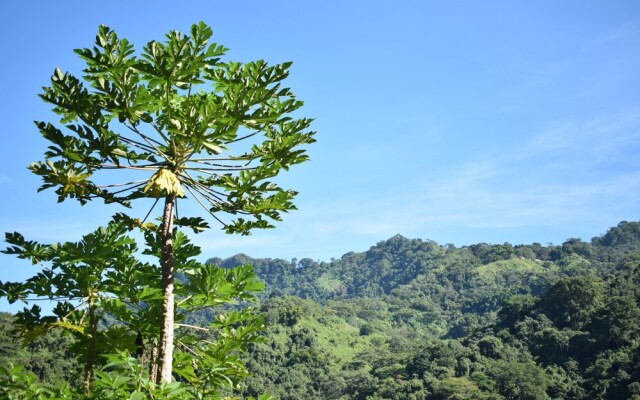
column 412, row 319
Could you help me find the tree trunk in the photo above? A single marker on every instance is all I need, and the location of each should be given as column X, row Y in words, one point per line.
column 91, row 347
column 153, row 363
column 165, row 355
column 141, row 353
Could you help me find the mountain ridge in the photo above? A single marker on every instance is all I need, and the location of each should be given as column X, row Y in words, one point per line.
column 398, row 261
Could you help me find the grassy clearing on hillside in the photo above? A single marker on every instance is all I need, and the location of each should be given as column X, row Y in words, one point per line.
column 514, row 265
column 329, row 283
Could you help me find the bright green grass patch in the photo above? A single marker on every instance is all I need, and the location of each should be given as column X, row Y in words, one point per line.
column 336, row 336
column 328, row 282
column 513, row 265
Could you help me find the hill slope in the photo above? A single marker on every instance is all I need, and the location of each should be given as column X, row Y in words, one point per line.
column 411, row 319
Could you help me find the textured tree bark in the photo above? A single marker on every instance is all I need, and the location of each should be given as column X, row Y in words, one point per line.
column 91, row 347
column 141, row 353
column 153, row 363
column 165, row 353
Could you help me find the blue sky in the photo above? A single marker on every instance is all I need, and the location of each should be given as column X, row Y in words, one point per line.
column 460, row 122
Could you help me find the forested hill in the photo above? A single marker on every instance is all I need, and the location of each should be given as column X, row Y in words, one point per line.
column 399, row 261
column 413, row 319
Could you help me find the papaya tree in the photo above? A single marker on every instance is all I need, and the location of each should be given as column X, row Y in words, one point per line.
column 177, row 122
column 73, row 278
column 109, row 301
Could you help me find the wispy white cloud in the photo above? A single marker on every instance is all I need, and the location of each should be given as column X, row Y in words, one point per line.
column 531, row 74
column 557, row 174
column 553, row 178
column 621, row 33
column 601, row 134
column 481, row 205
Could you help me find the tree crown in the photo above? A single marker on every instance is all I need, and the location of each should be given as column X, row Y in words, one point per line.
column 188, row 122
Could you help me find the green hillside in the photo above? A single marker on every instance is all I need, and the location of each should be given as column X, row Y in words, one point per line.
column 412, row 319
